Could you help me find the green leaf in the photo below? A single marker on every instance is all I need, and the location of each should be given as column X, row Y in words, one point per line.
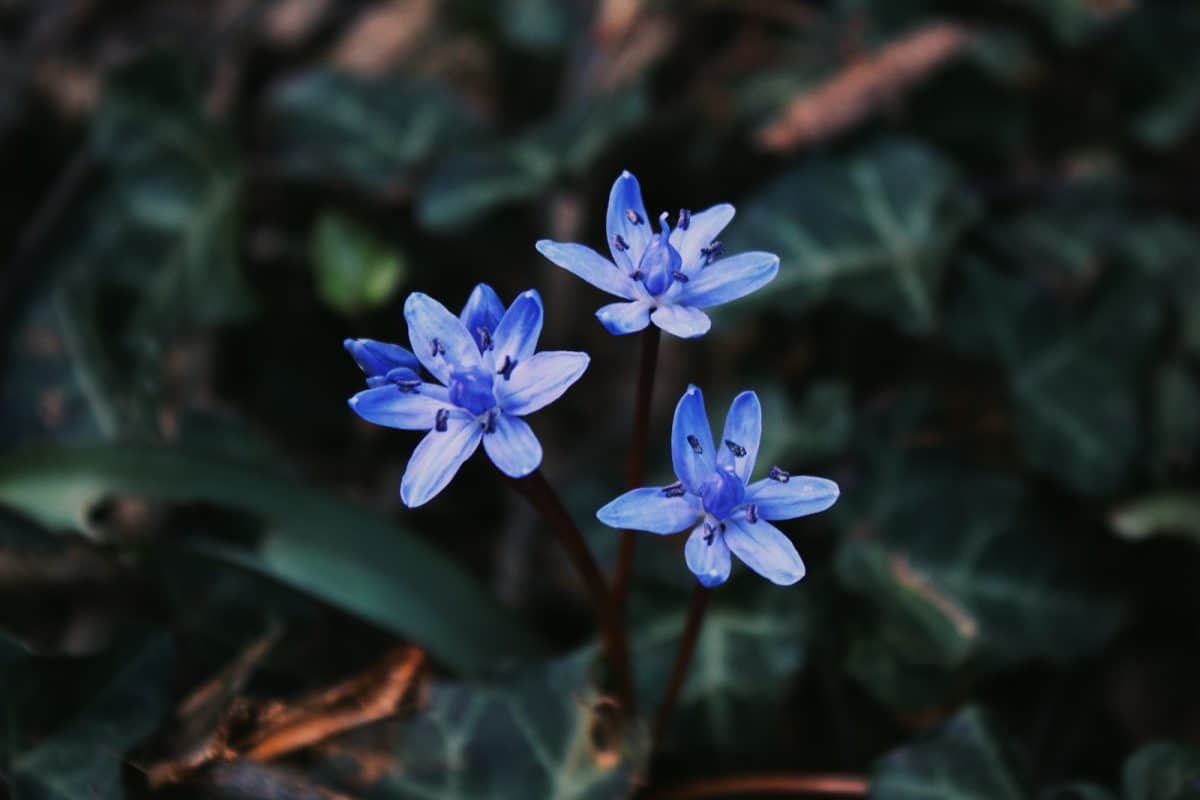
column 1159, row 514
column 84, row 758
column 355, row 271
column 873, row 229
column 1073, row 378
column 546, row 734
column 964, row 760
column 1162, row 771
column 348, row 557
column 369, row 131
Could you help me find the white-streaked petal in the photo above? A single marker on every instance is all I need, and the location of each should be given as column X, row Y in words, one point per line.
column 622, row 318
column 799, row 496
column 387, row 405
column 707, row 556
column 589, row 265
column 512, row 446
column 727, row 279
column 691, row 441
column 539, row 380
column 650, row 510
column 681, row 321
column 428, row 320
column 626, row 195
column 482, row 313
column 702, row 230
column 438, row 457
column 743, row 429
column 517, row 334
column 763, row 548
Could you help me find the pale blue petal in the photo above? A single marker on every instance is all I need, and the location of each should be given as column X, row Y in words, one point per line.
column 428, row 320
column 517, row 334
column 438, row 457
column 743, row 429
column 799, row 496
column 622, row 318
column 539, row 380
column 387, row 405
column 707, row 556
column 512, row 446
column 702, row 231
column 727, row 279
column 693, row 464
column 589, row 265
column 482, row 313
column 625, row 195
column 652, row 511
column 681, row 321
column 378, row 358
column 763, row 548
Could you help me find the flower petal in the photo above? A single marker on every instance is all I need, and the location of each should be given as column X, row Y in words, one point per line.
column 650, row 510
column 693, row 462
column 707, row 557
column 626, row 196
column 681, row 321
column 743, row 430
column 438, row 457
column 378, row 358
column 482, row 313
column 728, row 279
column 393, row 408
column 589, row 265
column 622, row 318
column 539, row 380
column 763, row 548
column 703, row 228
column 429, row 320
column 799, row 496
column 512, row 446
column 517, row 334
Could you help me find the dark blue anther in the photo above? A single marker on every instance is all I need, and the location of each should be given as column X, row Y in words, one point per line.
column 695, row 444
column 735, row 448
column 619, row 243
column 711, row 252
column 777, row 474
column 636, row 274
column 485, row 338
column 490, row 427
column 408, row 385
column 436, row 348
column 507, row 367
column 685, row 219
column 633, row 216
column 679, row 276
column 752, row 514
column 674, row 490
column 441, row 420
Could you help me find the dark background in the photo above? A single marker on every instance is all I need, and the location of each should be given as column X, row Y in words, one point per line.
column 986, row 328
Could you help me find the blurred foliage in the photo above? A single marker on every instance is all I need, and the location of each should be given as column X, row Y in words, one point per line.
column 986, row 328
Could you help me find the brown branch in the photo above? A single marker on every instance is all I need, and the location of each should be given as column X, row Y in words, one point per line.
column 781, row 784
column 683, row 660
column 856, row 92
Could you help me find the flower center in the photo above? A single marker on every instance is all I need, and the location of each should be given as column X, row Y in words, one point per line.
column 722, row 492
column 661, row 263
column 472, row 389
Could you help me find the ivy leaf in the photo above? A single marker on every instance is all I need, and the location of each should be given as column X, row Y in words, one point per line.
column 963, row 760
column 873, row 229
column 355, row 272
column 1162, row 771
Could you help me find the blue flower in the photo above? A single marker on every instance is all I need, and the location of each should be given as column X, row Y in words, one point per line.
column 714, row 497
column 489, row 377
column 665, row 277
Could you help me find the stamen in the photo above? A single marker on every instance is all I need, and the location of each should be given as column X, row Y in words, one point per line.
column 708, row 537
column 441, row 420
column 636, row 275
column 633, row 216
column 619, row 243
column 485, row 337
column 674, row 490
column 679, row 276
column 436, row 348
column 711, row 252
column 407, row 385
column 752, row 514
column 685, row 219
column 490, row 427
column 777, row 474
column 735, row 448
column 695, row 444
column 506, row 369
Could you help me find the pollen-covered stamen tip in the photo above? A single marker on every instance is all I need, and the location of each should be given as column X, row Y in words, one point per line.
column 485, row 338
column 679, row 276
column 710, row 253
column 694, row 443
column 777, row 474
column 436, row 348
column 633, row 216
column 735, row 448
column 506, row 369
column 752, row 514
column 489, row 425
column 685, row 219
column 619, row 243
column 674, row 490
column 441, row 420
column 407, row 385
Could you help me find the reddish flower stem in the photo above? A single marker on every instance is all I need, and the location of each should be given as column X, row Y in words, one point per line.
column 781, row 784
column 683, row 660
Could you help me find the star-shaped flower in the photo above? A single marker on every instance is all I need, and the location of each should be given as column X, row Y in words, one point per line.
column 490, row 376
column 665, row 277
column 714, row 497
